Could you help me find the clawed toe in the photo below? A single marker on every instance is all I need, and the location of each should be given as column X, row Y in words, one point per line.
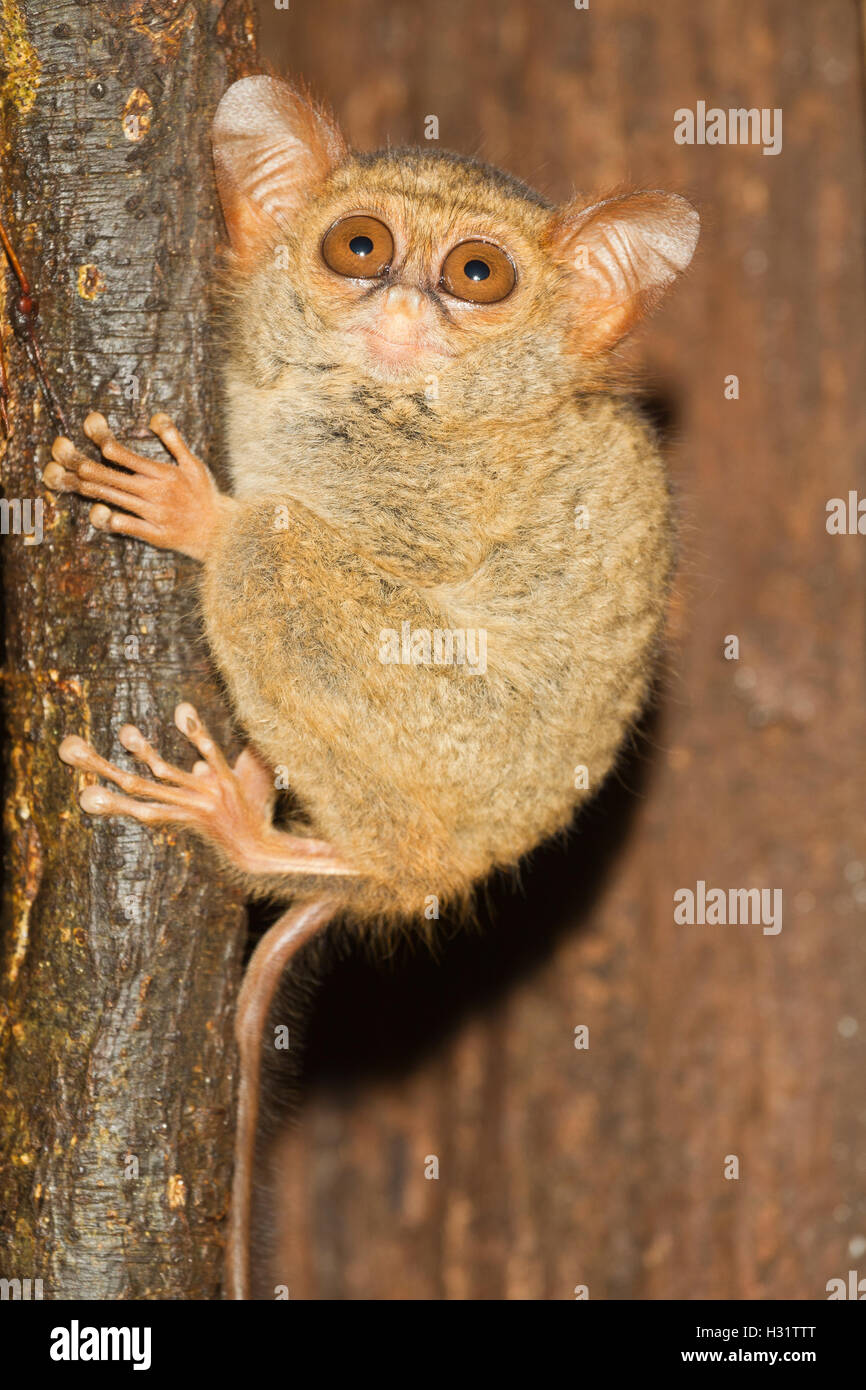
column 173, row 798
column 229, row 808
column 74, row 751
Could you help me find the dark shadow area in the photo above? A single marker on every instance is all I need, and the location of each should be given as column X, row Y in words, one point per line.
column 374, row 1019
column 659, row 405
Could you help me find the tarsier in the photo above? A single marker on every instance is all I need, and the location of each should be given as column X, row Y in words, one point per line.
column 426, row 447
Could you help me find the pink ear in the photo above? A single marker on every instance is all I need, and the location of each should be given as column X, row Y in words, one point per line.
column 271, row 148
column 625, row 252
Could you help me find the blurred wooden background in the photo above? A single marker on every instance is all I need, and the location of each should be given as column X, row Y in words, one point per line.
column 605, row 1167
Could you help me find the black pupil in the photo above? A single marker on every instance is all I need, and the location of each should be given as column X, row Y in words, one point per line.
column 361, row 245
column 476, row 270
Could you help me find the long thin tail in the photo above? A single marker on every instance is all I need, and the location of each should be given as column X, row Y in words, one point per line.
column 276, row 948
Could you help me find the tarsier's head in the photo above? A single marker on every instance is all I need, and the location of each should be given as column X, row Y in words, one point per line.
column 406, row 265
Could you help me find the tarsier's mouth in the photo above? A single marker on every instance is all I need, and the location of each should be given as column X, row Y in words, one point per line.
column 400, row 350
column 400, row 330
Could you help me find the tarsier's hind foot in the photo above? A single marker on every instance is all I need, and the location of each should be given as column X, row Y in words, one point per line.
column 174, row 506
column 230, row 807
column 200, row 798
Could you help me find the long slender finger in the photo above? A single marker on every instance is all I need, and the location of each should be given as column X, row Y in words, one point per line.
column 96, row 427
column 187, row 720
column 139, row 484
column 133, row 502
column 104, row 519
column 58, row 479
column 62, row 474
column 64, row 451
column 77, row 753
column 166, row 430
column 100, row 801
column 134, row 742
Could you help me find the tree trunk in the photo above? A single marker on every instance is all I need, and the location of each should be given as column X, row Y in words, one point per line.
column 121, row 947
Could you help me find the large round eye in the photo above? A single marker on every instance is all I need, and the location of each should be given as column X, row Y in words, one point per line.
column 359, row 246
column 479, row 271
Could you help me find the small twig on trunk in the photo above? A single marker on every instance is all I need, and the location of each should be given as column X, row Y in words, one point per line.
column 4, row 392
column 24, row 311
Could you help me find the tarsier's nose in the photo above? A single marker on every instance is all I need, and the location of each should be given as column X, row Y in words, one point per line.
column 402, row 307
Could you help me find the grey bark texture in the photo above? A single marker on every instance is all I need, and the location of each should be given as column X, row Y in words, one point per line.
column 121, row 948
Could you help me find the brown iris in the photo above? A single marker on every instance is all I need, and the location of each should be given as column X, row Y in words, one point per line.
column 478, row 271
column 359, row 246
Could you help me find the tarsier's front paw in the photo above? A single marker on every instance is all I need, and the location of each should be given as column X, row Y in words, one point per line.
column 231, row 807
column 172, row 506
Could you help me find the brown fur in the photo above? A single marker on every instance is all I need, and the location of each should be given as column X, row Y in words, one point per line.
column 366, row 501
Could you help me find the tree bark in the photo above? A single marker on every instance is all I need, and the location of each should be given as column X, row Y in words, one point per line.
column 121, row 948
